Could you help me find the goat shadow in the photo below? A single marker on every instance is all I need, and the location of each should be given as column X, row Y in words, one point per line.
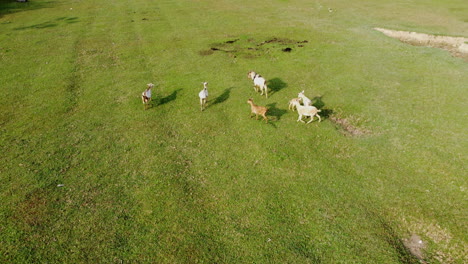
column 169, row 98
column 277, row 113
column 221, row 98
column 276, row 85
column 320, row 104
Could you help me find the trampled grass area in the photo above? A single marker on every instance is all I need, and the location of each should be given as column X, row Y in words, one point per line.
column 88, row 176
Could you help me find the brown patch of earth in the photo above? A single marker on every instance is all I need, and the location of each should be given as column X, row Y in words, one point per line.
column 250, row 48
column 458, row 46
column 347, row 128
column 206, row 52
column 33, row 211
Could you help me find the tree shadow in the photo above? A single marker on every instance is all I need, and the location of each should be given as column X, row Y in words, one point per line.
column 318, row 102
column 276, row 85
column 221, row 98
column 276, row 112
column 169, row 98
column 52, row 23
column 11, row 6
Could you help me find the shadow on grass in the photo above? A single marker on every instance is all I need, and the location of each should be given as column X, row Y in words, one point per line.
column 277, row 113
column 318, row 102
column 53, row 23
column 169, row 98
column 11, row 6
column 221, row 98
column 389, row 235
column 276, row 85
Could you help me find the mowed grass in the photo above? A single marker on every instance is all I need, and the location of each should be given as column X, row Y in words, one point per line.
column 88, row 176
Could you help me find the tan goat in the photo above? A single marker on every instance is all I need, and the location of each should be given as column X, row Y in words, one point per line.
column 257, row 110
column 292, row 105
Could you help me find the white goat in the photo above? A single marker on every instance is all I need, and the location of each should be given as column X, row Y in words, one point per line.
column 306, row 101
column 259, row 82
column 292, row 106
column 308, row 110
column 203, row 94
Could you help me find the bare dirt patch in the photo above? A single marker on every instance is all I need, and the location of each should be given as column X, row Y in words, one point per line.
column 457, row 46
column 440, row 243
column 251, row 48
column 347, row 127
column 416, row 246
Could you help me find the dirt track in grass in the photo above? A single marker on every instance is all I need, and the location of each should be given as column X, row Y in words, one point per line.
column 458, row 46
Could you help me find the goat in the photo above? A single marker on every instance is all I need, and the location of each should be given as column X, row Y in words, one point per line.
column 203, row 94
column 292, row 106
column 259, row 82
column 306, row 101
column 307, row 110
column 146, row 95
column 257, row 110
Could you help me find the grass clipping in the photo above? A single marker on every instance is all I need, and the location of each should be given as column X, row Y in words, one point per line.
column 458, row 46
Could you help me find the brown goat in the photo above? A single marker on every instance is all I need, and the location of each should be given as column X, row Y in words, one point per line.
column 257, row 110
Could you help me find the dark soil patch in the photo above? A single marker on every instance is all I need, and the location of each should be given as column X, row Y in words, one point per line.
column 231, row 41
column 206, row 52
column 347, row 127
column 282, row 41
column 250, row 48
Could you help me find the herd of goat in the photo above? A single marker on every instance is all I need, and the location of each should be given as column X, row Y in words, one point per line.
column 306, row 109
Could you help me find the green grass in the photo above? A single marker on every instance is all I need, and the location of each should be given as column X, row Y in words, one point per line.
column 175, row 185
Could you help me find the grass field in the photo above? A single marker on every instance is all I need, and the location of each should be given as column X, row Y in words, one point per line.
column 88, row 176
